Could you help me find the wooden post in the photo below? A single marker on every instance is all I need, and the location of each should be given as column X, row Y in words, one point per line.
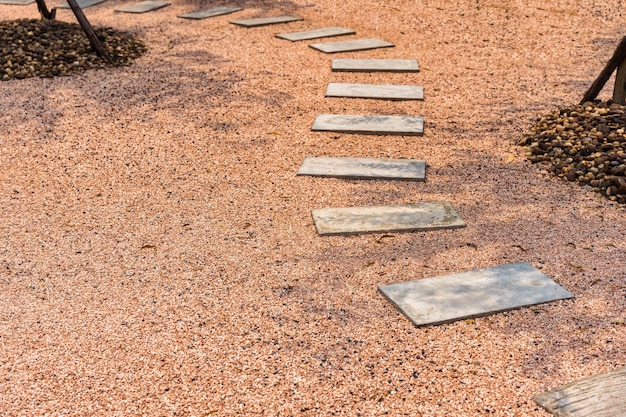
column 618, row 58
column 43, row 9
column 619, row 92
column 88, row 29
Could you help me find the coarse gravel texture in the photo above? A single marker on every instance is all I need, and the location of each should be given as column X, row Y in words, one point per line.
column 584, row 143
column 49, row 48
column 158, row 255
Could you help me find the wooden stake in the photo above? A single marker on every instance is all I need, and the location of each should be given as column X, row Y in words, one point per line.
column 619, row 92
column 43, row 9
column 88, row 29
column 619, row 56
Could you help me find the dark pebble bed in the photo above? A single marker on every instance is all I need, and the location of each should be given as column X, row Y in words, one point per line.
column 48, row 48
column 584, row 143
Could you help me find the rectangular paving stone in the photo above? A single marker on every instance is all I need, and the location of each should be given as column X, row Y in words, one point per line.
column 375, row 65
column 353, row 45
column 382, row 92
column 386, row 219
column 601, row 395
column 370, row 125
column 315, row 33
column 82, row 3
column 472, row 294
column 364, row 168
column 264, row 21
column 215, row 11
column 17, row 2
column 144, row 6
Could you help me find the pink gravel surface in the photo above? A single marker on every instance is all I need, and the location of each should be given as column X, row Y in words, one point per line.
column 157, row 252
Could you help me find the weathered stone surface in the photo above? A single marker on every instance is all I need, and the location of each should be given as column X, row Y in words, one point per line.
column 386, row 219
column 315, row 33
column 17, row 2
column 601, row 395
column 144, row 6
column 215, row 11
column 82, row 3
column 472, row 294
column 376, row 91
column 375, row 65
column 364, row 168
column 372, row 125
column 264, row 21
column 353, row 45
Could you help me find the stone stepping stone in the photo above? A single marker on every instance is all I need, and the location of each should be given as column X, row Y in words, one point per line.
column 382, row 92
column 17, row 2
column 144, row 6
column 349, row 46
column 315, row 33
column 82, row 3
column 386, row 219
column 472, row 294
column 370, row 125
column 364, row 168
column 264, row 21
column 375, row 65
column 215, row 11
column 601, row 395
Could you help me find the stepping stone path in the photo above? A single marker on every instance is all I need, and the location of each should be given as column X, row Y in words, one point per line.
column 381, row 92
column 350, row 46
column 264, row 21
column 143, row 7
column 315, row 33
column 364, row 168
column 215, row 11
column 601, row 395
column 370, row 125
column 81, row 3
column 472, row 294
column 375, row 65
column 386, row 219
column 17, row 2
column 432, row 300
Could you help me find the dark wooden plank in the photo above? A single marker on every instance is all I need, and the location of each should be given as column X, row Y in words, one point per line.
column 619, row 91
column 89, row 32
column 602, row 395
column 618, row 57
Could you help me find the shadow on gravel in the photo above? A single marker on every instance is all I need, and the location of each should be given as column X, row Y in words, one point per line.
column 180, row 87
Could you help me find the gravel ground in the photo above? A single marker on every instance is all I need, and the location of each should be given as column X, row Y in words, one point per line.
column 158, row 253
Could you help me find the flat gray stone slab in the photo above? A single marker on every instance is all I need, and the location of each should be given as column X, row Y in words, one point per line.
column 377, row 91
column 385, row 219
column 264, row 21
column 215, row 11
column 315, row 33
column 144, row 6
column 17, row 2
column 370, row 125
column 353, row 45
column 364, row 168
column 82, row 3
column 472, row 294
column 598, row 396
column 375, row 65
